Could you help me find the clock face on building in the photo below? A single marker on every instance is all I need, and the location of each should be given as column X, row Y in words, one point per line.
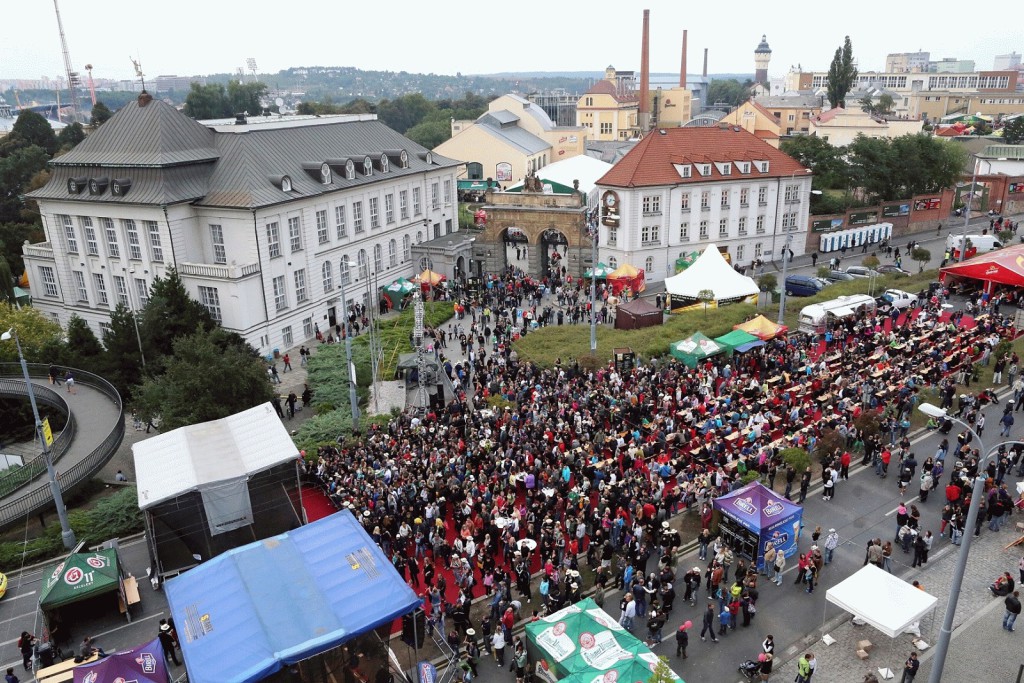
column 72, row 186
column 610, row 214
column 610, row 199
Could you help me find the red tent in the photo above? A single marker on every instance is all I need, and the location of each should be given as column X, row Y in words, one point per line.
column 1000, row 267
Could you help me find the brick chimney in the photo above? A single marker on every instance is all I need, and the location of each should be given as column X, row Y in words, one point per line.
column 705, row 72
column 644, row 111
column 682, row 65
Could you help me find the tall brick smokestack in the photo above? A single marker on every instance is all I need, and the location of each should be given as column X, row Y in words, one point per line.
column 705, row 72
column 682, row 65
column 644, row 110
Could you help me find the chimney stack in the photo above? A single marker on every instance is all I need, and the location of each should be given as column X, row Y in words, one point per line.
column 682, row 66
column 644, row 110
column 705, row 72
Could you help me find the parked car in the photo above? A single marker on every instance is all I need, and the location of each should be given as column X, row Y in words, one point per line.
column 838, row 276
column 890, row 269
column 896, row 298
column 862, row 271
column 804, row 285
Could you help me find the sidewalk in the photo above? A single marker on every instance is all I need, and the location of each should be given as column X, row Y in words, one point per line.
column 979, row 645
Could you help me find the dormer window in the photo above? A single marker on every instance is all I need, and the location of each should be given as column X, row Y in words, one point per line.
column 384, row 163
column 98, row 186
column 367, row 166
column 325, row 174
column 744, row 167
column 120, row 186
column 764, row 166
column 350, row 170
column 683, row 170
column 429, row 158
column 725, row 169
column 403, row 159
column 704, row 169
column 286, row 184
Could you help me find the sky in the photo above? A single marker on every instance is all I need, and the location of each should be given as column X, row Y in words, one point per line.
column 193, row 37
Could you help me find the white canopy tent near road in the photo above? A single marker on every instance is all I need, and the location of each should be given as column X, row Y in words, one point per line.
column 710, row 271
column 887, row 602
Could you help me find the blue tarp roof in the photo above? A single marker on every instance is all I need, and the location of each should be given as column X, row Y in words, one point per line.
column 246, row 613
column 755, row 506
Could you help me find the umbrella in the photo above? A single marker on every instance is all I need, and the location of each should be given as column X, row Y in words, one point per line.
column 527, row 543
column 601, row 272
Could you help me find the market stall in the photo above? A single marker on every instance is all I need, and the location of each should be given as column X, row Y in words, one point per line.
column 754, row 516
column 397, row 291
column 762, row 328
column 627, row 277
column 694, row 349
column 1001, row 267
column 600, row 272
column 142, row 664
column 739, row 341
column 581, row 643
column 709, row 272
column 637, row 314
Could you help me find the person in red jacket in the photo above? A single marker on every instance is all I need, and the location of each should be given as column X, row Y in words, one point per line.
column 886, row 457
column 952, row 493
column 844, row 465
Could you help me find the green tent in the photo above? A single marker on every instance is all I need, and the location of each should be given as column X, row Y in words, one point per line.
column 581, row 643
column 739, row 340
column 695, row 348
column 602, row 271
column 80, row 576
column 401, row 286
column 686, row 260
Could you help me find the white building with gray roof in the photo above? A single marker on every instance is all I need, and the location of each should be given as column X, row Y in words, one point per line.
column 259, row 220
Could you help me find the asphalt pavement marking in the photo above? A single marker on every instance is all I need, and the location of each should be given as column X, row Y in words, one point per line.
column 906, row 502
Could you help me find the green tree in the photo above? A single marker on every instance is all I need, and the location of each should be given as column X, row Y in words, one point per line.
column 70, row 136
column 170, row 313
column 706, row 296
column 729, row 91
column 100, row 114
column 867, row 104
column 206, row 378
column 1013, row 131
column 885, row 104
column 662, row 671
column 12, row 236
column 34, row 329
column 245, row 98
column 35, row 130
column 404, row 112
column 842, row 74
column 872, row 166
column 207, row 102
column 870, row 261
column 831, row 171
column 84, row 349
column 121, row 363
column 6, row 282
column 768, row 282
column 922, row 256
column 430, row 134
column 16, row 172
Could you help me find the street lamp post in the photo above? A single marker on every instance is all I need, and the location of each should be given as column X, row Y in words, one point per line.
column 946, row 633
column 352, row 398
column 67, row 534
column 967, row 212
column 594, row 231
column 785, row 264
column 135, row 317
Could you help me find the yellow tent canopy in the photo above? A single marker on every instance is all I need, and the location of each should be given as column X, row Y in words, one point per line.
column 762, row 328
column 429, row 276
column 23, row 280
column 625, row 270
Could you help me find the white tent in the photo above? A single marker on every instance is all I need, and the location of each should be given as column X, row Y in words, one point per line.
column 888, row 603
column 585, row 169
column 197, row 456
column 710, row 271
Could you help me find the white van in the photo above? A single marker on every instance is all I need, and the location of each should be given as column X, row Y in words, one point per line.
column 980, row 244
column 817, row 318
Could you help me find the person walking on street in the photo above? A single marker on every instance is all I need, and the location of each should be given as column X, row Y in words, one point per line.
column 682, row 640
column 831, row 543
column 167, row 642
column 805, row 483
column 498, row 644
column 1012, row 603
column 709, row 622
column 780, row 565
column 803, row 669
column 910, row 668
column 27, row 645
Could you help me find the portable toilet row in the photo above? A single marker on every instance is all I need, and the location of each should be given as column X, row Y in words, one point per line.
column 855, row 237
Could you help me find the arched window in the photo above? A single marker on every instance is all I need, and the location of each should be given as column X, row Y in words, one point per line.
column 378, row 258
column 343, row 271
column 613, row 262
column 367, row 166
column 406, row 248
column 350, row 170
column 384, row 164
column 649, row 265
column 364, row 266
column 392, row 253
column 328, row 276
column 419, row 237
column 325, row 173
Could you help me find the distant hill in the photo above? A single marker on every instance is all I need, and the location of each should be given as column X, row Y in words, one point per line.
column 594, row 75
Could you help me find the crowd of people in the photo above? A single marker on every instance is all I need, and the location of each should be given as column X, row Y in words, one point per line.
column 535, row 469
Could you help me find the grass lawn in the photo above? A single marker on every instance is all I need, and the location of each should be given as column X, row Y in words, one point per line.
column 567, row 342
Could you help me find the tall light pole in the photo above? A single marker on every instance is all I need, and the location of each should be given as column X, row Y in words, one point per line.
column 594, row 231
column 352, row 398
column 67, row 534
column 785, row 264
column 967, row 212
column 135, row 317
column 978, row 490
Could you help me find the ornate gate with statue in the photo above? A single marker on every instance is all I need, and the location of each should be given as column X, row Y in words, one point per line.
column 554, row 248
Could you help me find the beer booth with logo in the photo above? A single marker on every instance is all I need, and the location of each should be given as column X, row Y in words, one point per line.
column 753, row 516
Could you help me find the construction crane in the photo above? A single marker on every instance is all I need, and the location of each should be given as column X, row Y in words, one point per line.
column 73, row 80
column 92, row 84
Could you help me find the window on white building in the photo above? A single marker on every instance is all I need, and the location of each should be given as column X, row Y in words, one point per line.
column 300, row 285
column 323, row 233
column 613, row 237
column 113, row 250
column 344, row 273
column 357, row 217
column 725, row 199
column 447, row 192
column 307, row 327
column 69, row 233
column 792, row 194
column 91, row 245
column 364, row 265
column 651, row 204
column 378, row 258
column 273, row 240
column 121, row 288
column 280, row 294
column 723, row 227
column 649, row 263
column 142, row 289
column 613, row 262
column 757, row 250
column 339, row 222
column 684, row 232
column 684, row 201
column 392, row 254
column 703, row 230
column 210, row 298
column 744, row 196
column 739, row 252
column 406, row 248
column 83, row 290
column 374, row 212
column 743, row 226
column 220, row 255
column 416, row 209
column 389, row 208
column 49, row 279
column 295, row 233
column 762, row 195
column 155, row 248
column 759, row 226
column 403, row 204
column 705, row 199
column 131, row 231
column 101, row 288
column 435, row 198
column 328, row 276
column 287, row 338
column 650, row 235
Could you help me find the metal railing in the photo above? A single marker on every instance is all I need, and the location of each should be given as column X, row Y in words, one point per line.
column 15, row 388
column 38, row 499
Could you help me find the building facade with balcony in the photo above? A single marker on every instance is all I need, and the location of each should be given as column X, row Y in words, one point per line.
column 681, row 189
column 260, row 220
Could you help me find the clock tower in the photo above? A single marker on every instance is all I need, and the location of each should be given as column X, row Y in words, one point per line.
column 762, row 55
